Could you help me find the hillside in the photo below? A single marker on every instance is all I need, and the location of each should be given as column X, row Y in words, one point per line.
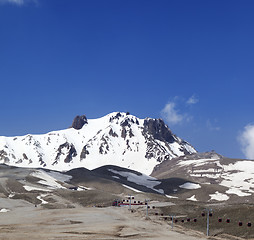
column 221, row 178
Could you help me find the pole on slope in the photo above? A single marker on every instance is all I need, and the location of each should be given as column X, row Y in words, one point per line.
column 130, row 203
column 207, row 220
column 146, row 202
column 172, row 222
column 207, row 223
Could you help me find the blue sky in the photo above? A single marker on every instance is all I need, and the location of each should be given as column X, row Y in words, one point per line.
column 190, row 62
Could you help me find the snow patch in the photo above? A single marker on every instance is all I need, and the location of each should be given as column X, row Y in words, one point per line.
column 82, row 188
column 192, row 198
column 116, row 177
column 31, row 188
column 11, row 195
column 133, row 189
column 41, row 198
column 168, row 196
column 48, row 180
column 239, row 178
column 4, row 210
column 189, row 185
column 219, row 196
column 238, row 192
column 60, row 176
column 198, row 162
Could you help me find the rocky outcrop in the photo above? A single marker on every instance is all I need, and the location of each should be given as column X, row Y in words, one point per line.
column 79, row 122
column 159, row 130
column 71, row 152
column 3, row 156
column 84, row 152
column 116, row 117
column 112, row 133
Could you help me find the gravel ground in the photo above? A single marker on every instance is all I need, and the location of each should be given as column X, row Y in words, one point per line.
column 24, row 221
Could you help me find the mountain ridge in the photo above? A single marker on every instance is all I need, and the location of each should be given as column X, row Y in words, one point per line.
column 118, row 138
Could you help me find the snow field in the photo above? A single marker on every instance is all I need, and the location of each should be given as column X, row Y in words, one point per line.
column 47, row 180
column 142, row 180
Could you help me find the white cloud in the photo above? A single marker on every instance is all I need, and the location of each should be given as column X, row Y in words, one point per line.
column 17, row 2
column 176, row 111
column 246, row 139
column 171, row 115
column 211, row 126
column 192, row 100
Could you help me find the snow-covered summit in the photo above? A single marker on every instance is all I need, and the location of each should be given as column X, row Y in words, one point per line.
column 117, row 139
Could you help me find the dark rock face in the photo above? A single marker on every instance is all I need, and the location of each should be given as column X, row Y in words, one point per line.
column 125, row 123
column 159, row 130
column 104, row 147
column 25, row 156
column 112, row 133
column 42, row 163
column 124, row 133
column 79, row 122
column 156, row 129
column 71, row 152
column 84, row 152
column 117, row 116
column 3, row 156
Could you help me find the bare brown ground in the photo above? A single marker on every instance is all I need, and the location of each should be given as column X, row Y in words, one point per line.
column 24, row 221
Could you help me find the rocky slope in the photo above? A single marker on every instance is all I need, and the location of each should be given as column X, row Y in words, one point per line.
column 117, row 139
column 220, row 178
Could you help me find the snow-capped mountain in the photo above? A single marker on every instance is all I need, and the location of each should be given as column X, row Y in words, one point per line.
column 117, row 139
